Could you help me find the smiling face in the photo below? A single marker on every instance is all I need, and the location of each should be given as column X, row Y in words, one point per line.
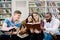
column 30, row 19
column 36, row 17
column 17, row 16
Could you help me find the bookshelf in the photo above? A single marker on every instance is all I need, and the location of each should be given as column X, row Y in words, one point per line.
column 5, row 10
column 44, row 6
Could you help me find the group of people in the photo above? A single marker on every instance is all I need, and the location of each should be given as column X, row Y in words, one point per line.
column 12, row 29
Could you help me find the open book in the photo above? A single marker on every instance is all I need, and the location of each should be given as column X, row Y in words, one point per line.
column 8, row 29
column 33, row 25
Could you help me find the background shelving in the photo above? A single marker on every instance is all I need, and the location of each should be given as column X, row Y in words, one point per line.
column 44, row 6
column 5, row 10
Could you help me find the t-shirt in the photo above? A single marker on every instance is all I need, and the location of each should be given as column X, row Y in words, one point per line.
column 51, row 26
column 11, row 23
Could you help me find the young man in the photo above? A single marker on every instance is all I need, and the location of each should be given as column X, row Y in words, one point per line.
column 51, row 25
column 11, row 26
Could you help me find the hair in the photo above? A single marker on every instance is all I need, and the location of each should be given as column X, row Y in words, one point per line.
column 49, row 13
column 59, row 13
column 39, row 19
column 35, row 13
column 29, row 16
column 18, row 12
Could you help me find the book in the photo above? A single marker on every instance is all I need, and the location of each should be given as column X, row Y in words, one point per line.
column 33, row 25
column 8, row 29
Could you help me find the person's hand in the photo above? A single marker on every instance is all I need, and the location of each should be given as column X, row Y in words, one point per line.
column 31, row 30
column 14, row 27
column 9, row 32
column 53, row 34
column 42, row 28
column 36, row 31
column 23, row 30
column 10, row 28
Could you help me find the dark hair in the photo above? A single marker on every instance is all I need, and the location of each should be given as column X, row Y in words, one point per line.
column 59, row 13
column 27, row 18
column 49, row 13
column 18, row 12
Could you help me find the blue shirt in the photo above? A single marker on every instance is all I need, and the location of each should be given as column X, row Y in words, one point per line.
column 10, row 23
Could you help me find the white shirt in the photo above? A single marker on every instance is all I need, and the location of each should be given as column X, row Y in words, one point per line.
column 51, row 26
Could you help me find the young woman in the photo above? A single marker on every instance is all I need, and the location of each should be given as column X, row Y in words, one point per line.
column 24, row 33
column 38, row 34
column 34, row 34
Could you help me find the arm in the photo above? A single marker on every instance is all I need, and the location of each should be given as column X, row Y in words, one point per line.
column 5, row 28
column 17, row 30
column 5, row 25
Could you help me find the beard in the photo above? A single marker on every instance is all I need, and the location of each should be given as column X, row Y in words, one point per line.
column 48, row 20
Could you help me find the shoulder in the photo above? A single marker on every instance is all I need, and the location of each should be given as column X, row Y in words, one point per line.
column 6, row 20
column 55, row 20
column 19, row 24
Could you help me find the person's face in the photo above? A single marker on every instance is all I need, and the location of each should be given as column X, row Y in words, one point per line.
column 36, row 16
column 58, row 16
column 48, row 17
column 17, row 16
column 29, row 18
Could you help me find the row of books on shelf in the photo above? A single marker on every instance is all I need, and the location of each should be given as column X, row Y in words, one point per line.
column 5, row 11
column 53, row 3
column 37, row 0
column 5, row 5
column 37, row 10
column 44, row 3
column 4, row 16
column 35, row 4
column 41, row 10
column 5, row 0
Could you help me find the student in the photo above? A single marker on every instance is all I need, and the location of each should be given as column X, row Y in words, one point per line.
column 37, row 34
column 51, row 25
column 11, row 26
column 24, row 30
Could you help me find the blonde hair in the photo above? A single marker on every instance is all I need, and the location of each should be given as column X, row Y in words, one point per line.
column 39, row 18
